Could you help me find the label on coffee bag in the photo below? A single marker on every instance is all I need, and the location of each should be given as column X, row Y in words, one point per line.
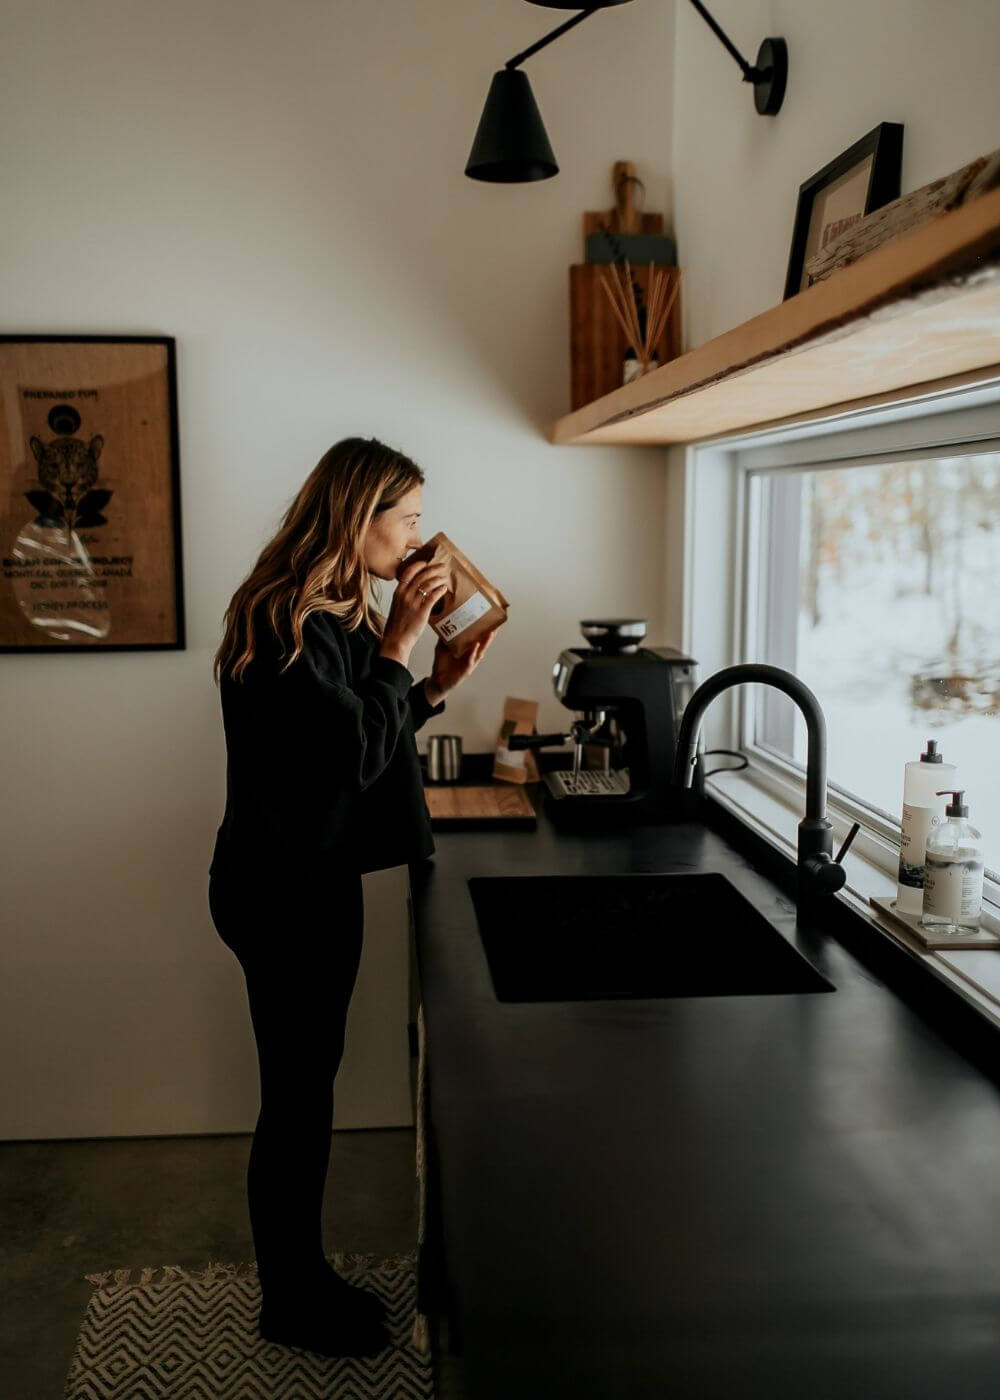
column 470, row 611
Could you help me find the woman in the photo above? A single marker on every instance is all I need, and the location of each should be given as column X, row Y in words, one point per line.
column 322, row 784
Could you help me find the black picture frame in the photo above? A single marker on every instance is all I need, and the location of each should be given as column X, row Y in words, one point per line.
column 877, row 161
column 81, row 413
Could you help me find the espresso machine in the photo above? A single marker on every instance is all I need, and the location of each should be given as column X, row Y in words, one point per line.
column 628, row 700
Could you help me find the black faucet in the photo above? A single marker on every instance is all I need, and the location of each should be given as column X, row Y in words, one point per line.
column 819, row 872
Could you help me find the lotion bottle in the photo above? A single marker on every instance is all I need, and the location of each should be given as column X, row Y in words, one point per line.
column 953, row 880
column 922, row 811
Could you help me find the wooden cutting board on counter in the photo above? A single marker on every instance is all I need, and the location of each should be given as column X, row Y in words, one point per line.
column 453, row 807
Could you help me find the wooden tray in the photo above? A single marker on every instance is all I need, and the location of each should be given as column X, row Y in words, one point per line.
column 480, row 807
column 932, row 937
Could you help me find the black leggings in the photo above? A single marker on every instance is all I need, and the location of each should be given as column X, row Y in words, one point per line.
column 300, row 957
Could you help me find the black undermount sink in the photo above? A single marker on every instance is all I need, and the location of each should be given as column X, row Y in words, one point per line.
column 613, row 937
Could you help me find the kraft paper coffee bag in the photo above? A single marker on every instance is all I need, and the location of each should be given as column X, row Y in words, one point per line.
column 517, row 765
column 471, row 607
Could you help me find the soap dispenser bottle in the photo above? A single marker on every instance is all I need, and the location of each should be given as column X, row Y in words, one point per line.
column 953, row 880
column 922, row 811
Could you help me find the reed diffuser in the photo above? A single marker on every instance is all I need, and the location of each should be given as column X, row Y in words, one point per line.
column 642, row 332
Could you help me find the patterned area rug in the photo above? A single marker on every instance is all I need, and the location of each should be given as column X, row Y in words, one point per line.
column 151, row 1334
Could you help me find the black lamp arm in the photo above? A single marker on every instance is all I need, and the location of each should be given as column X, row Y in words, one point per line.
column 519, row 58
column 750, row 74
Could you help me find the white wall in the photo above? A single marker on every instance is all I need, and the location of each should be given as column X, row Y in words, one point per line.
column 278, row 184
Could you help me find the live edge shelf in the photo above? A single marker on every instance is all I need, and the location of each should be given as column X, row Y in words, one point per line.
column 921, row 309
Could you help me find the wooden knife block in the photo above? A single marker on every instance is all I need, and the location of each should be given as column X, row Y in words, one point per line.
column 597, row 342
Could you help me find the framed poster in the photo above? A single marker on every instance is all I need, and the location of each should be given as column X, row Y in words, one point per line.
column 89, row 494
column 860, row 180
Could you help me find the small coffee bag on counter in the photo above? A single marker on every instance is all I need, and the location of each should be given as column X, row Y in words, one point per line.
column 471, row 607
column 519, row 765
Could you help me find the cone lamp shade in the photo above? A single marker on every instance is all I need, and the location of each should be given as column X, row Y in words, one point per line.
column 511, row 145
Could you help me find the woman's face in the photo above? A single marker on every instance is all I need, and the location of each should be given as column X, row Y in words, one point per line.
column 392, row 534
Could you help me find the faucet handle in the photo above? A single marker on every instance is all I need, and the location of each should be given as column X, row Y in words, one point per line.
column 838, row 858
column 826, row 876
column 826, row 873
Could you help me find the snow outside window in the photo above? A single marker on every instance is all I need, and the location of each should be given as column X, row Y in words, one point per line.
column 879, row 586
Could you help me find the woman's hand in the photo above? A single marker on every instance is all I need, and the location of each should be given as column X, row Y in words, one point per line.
column 419, row 587
column 449, row 671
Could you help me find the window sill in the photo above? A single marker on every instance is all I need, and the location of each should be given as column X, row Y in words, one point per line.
column 972, row 974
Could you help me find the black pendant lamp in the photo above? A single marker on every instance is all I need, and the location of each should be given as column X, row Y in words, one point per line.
column 511, row 145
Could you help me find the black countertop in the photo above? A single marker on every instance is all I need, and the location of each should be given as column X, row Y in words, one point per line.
column 781, row 1196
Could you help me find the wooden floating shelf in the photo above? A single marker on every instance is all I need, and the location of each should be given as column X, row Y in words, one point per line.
column 918, row 310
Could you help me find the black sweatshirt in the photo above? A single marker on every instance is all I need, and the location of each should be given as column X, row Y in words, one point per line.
column 322, row 770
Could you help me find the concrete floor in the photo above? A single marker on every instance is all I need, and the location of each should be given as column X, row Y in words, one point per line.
column 72, row 1208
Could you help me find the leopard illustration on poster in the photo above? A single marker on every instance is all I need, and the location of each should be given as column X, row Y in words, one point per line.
column 67, row 468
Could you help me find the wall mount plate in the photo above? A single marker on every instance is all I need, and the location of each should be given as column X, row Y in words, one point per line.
column 769, row 90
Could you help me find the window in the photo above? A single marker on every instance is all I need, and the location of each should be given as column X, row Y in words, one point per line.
column 866, row 561
column 877, row 585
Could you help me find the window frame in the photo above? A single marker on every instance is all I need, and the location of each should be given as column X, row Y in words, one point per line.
column 721, row 596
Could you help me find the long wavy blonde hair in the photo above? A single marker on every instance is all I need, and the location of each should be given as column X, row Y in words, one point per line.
column 314, row 563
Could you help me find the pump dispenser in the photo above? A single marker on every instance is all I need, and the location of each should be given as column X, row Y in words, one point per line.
column 953, row 880
column 922, row 812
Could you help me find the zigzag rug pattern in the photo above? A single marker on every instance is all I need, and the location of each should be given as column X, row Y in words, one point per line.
column 193, row 1336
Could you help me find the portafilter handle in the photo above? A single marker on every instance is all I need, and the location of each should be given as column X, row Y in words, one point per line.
column 537, row 741
column 580, row 733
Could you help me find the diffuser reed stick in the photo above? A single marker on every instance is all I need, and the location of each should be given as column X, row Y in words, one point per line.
column 620, row 290
column 660, row 307
column 620, row 307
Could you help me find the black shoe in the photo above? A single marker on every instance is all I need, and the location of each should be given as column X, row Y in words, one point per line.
column 344, row 1333
column 352, row 1296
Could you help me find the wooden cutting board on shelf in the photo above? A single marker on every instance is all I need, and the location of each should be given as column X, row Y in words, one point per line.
column 488, row 805
column 625, row 231
column 597, row 342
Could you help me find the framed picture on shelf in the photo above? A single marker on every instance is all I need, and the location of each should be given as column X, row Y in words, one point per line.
column 861, row 179
column 89, row 494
